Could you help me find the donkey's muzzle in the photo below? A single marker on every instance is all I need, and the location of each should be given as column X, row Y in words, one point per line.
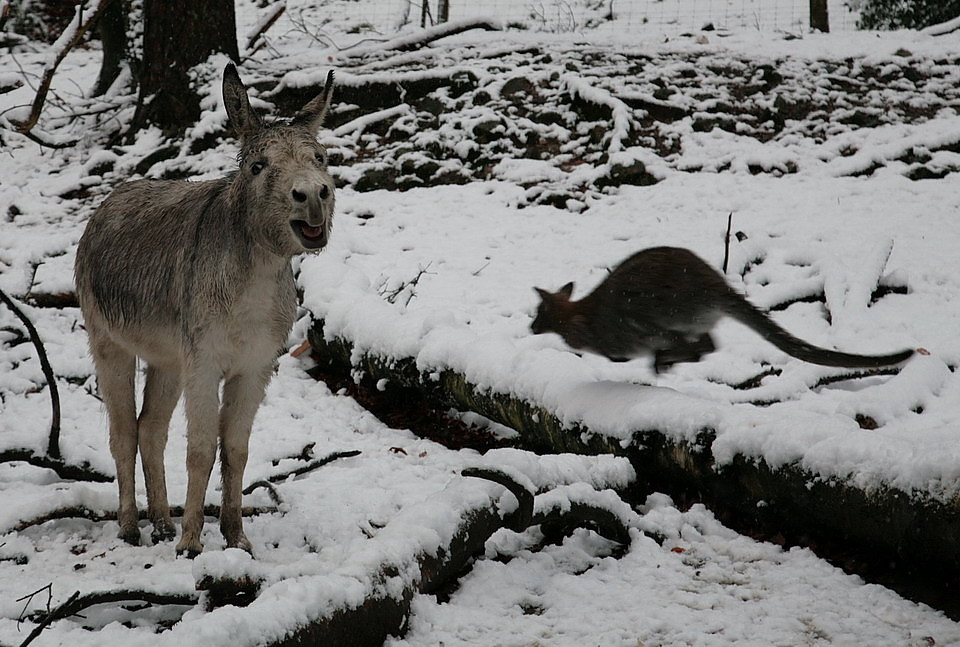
column 310, row 236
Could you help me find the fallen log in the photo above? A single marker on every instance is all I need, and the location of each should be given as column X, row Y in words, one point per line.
column 421, row 551
column 876, row 532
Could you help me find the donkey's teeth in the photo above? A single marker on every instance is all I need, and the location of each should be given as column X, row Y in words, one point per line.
column 308, row 231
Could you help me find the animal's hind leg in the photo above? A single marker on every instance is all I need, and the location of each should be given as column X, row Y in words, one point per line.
column 115, row 376
column 242, row 395
column 683, row 351
column 160, row 396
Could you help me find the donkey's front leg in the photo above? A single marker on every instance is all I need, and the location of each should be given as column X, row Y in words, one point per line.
column 202, row 407
column 115, row 376
column 241, row 398
column 160, row 396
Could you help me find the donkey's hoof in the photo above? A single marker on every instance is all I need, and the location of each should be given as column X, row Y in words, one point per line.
column 189, row 553
column 130, row 535
column 189, row 549
column 163, row 531
column 242, row 543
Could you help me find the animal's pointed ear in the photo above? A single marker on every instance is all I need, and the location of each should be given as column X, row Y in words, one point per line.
column 567, row 290
column 243, row 119
column 311, row 116
column 543, row 293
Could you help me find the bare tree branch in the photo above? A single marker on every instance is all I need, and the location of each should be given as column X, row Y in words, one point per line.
column 275, row 12
column 70, row 37
column 83, row 512
column 53, row 444
column 77, row 603
column 320, row 462
column 63, row 470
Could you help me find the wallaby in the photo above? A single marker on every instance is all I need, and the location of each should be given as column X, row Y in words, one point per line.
column 665, row 301
column 194, row 278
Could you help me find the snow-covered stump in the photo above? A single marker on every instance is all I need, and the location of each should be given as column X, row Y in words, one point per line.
column 880, row 526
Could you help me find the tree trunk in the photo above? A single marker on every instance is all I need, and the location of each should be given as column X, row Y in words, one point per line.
column 425, row 14
column 113, row 35
column 819, row 16
column 177, row 35
column 443, row 11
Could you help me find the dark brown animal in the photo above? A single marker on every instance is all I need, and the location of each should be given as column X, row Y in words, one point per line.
column 194, row 279
column 665, row 301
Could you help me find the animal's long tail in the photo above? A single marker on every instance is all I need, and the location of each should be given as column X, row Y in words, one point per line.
column 745, row 312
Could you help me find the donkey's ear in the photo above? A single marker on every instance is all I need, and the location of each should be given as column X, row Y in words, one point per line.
column 243, row 119
column 310, row 117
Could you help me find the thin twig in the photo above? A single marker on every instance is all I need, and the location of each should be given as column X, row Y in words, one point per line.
column 726, row 242
column 53, row 444
column 320, row 462
column 305, row 454
column 39, row 139
column 481, row 268
column 392, row 295
column 269, row 487
column 76, row 603
column 48, row 619
column 28, row 598
column 856, row 375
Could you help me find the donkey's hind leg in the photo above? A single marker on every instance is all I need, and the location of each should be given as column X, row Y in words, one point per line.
column 115, row 376
column 160, row 395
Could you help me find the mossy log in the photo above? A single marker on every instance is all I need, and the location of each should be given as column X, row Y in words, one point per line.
column 887, row 528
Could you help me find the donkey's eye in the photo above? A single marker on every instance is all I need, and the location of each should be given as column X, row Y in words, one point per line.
column 257, row 167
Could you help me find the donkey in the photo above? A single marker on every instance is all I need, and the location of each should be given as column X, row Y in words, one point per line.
column 194, row 278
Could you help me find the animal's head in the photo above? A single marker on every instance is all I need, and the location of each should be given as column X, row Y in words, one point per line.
column 287, row 189
column 553, row 311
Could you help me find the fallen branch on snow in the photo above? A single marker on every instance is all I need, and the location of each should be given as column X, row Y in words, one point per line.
column 277, row 478
column 53, row 443
column 620, row 112
column 424, row 37
column 83, row 512
column 77, row 603
column 358, row 125
column 62, row 469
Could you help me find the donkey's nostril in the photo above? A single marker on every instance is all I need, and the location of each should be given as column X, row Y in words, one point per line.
column 324, row 192
column 299, row 197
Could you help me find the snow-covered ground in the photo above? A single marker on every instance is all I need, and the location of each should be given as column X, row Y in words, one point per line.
column 823, row 228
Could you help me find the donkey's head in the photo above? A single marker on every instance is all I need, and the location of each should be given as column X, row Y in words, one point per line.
column 287, row 191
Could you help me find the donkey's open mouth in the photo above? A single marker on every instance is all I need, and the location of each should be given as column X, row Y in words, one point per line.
column 311, row 237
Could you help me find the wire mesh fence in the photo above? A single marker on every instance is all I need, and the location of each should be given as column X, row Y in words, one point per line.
column 664, row 16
